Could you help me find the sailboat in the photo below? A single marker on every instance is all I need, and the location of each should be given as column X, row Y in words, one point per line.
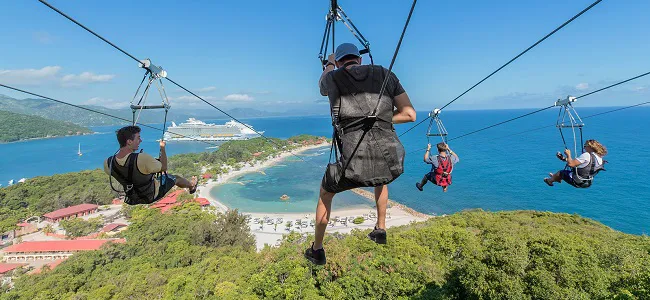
column 79, row 151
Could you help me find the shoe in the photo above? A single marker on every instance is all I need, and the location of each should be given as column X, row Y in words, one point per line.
column 378, row 236
column 419, row 186
column 317, row 257
column 548, row 181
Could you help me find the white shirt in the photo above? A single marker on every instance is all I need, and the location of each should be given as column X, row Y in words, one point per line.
column 585, row 159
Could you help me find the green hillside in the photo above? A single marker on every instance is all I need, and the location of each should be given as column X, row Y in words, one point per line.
column 192, row 254
column 43, row 194
column 16, row 127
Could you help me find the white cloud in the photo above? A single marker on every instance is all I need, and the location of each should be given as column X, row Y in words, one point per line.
column 50, row 74
column 108, row 103
column 85, row 77
column 238, row 97
column 582, row 86
column 640, row 89
column 190, row 98
column 43, row 37
column 288, row 102
column 206, row 89
column 29, row 76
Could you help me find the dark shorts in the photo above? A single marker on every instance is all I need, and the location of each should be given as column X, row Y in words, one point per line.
column 567, row 178
column 431, row 176
column 167, row 182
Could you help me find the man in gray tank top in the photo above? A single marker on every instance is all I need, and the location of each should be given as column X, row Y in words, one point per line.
column 353, row 90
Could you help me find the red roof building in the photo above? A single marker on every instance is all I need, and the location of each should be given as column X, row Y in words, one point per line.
column 113, row 227
column 51, row 265
column 55, row 246
column 6, row 268
column 169, row 201
column 202, row 201
column 207, row 176
column 168, row 207
column 118, row 201
column 70, row 212
column 51, row 250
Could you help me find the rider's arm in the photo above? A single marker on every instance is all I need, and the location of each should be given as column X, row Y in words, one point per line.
column 570, row 161
column 427, row 158
column 404, row 112
column 163, row 157
column 453, row 153
column 322, row 82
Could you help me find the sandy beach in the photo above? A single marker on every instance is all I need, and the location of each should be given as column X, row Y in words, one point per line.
column 270, row 234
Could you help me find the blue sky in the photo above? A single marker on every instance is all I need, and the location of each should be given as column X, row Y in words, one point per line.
column 263, row 54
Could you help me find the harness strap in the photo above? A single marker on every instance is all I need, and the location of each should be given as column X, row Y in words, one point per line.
column 363, row 123
column 130, row 162
column 109, row 161
column 445, row 167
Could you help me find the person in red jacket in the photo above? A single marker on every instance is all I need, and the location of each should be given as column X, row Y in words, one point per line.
column 442, row 166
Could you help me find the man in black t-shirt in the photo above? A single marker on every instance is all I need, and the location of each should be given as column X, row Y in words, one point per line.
column 353, row 90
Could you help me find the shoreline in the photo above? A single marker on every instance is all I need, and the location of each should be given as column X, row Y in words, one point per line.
column 46, row 138
column 270, row 234
column 204, row 189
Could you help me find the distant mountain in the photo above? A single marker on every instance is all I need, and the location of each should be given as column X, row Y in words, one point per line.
column 16, row 127
column 56, row 111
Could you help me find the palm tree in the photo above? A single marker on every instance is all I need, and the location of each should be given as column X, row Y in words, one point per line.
column 48, row 229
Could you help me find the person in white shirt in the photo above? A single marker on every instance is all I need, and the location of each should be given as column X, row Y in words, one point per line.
column 580, row 168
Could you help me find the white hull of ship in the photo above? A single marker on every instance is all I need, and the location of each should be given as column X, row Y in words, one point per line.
column 214, row 139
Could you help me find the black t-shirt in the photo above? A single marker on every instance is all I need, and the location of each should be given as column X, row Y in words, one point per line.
column 365, row 81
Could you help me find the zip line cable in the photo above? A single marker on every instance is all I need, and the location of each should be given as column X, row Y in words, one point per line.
column 88, row 29
column 503, row 122
column 97, row 112
column 554, row 125
column 513, row 59
column 587, row 117
column 613, row 85
column 539, row 110
column 178, row 85
column 392, row 62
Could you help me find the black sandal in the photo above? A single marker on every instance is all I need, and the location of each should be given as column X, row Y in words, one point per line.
column 547, row 180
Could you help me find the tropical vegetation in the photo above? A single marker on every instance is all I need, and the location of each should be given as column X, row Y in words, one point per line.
column 44, row 194
column 192, row 254
column 16, row 127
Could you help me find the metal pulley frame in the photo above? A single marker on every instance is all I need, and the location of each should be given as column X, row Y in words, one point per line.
column 441, row 131
column 154, row 75
column 568, row 118
column 337, row 14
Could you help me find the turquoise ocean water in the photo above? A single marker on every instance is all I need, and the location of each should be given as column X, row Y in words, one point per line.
column 497, row 171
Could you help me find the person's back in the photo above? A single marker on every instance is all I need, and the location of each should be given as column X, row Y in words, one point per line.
column 442, row 165
column 580, row 172
column 371, row 153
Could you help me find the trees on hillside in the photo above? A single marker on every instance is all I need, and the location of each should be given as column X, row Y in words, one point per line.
column 471, row 255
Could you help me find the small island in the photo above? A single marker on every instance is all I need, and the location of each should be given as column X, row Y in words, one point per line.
column 284, row 197
column 18, row 127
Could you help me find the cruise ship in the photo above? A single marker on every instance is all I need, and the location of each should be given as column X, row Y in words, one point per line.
column 195, row 129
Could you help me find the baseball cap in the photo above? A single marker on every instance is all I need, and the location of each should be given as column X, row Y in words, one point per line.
column 346, row 49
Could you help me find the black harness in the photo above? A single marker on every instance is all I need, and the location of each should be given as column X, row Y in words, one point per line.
column 139, row 188
column 350, row 169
